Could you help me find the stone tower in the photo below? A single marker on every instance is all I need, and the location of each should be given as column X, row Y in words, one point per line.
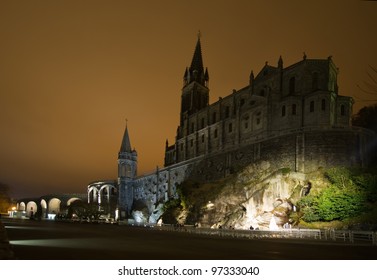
column 195, row 92
column 127, row 171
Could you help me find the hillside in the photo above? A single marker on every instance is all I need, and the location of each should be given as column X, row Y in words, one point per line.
column 257, row 197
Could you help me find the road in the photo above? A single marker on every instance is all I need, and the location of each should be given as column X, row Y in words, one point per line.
column 40, row 240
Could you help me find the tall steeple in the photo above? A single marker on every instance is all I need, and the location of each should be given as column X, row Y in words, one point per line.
column 127, row 171
column 126, row 144
column 195, row 92
column 196, row 71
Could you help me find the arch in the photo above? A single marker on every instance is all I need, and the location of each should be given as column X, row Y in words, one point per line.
column 92, row 194
column 72, row 200
column 21, row 206
column 31, row 208
column 54, row 206
column 44, row 208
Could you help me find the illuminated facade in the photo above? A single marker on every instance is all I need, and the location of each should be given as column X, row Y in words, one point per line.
column 293, row 117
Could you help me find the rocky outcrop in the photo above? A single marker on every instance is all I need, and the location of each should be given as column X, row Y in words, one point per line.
column 257, row 197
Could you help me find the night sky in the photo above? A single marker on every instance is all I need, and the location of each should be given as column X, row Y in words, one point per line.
column 72, row 72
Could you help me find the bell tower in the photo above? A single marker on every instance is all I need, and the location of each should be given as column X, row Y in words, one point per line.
column 195, row 92
column 127, row 171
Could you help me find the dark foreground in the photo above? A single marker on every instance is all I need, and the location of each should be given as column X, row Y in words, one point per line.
column 40, row 240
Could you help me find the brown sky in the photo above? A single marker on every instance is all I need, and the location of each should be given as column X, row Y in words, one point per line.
column 71, row 72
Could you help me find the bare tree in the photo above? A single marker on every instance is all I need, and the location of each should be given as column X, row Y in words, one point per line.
column 369, row 87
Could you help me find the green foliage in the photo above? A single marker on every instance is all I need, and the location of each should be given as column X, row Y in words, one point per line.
column 349, row 195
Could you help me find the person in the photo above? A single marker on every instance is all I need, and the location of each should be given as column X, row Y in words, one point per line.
column 251, row 228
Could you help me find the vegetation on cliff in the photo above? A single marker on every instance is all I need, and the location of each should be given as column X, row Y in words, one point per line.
column 351, row 193
column 257, row 195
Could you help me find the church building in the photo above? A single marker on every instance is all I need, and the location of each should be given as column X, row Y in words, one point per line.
column 290, row 116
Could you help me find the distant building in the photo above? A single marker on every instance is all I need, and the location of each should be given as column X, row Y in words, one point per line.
column 293, row 117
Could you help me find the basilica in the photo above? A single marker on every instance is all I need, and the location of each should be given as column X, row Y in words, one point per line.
column 290, row 116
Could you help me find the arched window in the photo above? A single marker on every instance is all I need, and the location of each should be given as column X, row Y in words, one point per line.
column 230, row 127
column 203, row 138
column 311, row 109
column 215, row 133
column 292, row 85
column 323, row 104
column 342, row 110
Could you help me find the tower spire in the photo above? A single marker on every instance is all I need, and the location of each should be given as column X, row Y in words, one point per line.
column 126, row 144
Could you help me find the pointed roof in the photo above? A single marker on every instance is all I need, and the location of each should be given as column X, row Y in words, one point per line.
column 197, row 60
column 126, row 144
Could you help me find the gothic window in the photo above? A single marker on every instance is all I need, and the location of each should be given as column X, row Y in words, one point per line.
column 192, row 142
column 283, row 111
column 227, row 112
column 246, row 125
column 323, row 104
column 342, row 110
column 293, row 109
column 315, row 81
column 215, row 133
column 292, row 85
column 203, row 138
column 258, row 120
column 311, row 109
column 230, row 127
column 181, row 146
column 214, row 117
column 242, row 102
column 202, row 122
column 192, row 127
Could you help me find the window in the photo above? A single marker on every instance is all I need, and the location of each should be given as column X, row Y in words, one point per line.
column 292, row 85
column 214, row 117
column 230, row 127
column 293, row 109
column 311, row 109
column 342, row 110
column 242, row 102
column 203, row 138
column 202, row 122
column 261, row 92
column 258, row 120
column 246, row 125
column 215, row 133
column 181, row 146
column 192, row 142
column 283, row 111
column 227, row 112
column 315, row 81
column 323, row 104
column 192, row 127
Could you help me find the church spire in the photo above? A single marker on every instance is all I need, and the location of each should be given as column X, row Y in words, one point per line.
column 126, row 144
column 197, row 60
column 196, row 72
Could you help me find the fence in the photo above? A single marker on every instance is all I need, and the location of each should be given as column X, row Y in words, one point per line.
column 346, row 236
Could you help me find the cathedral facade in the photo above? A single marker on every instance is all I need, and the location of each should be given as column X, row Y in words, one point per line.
column 293, row 117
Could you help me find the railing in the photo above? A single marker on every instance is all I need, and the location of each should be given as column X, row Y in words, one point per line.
column 346, row 236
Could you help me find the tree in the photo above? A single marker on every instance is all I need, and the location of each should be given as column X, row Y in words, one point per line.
column 5, row 201
column 366, row 117
column 370, row 87
column 350, row 193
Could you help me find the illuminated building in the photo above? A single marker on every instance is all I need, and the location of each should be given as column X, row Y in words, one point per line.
column 291, row 117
